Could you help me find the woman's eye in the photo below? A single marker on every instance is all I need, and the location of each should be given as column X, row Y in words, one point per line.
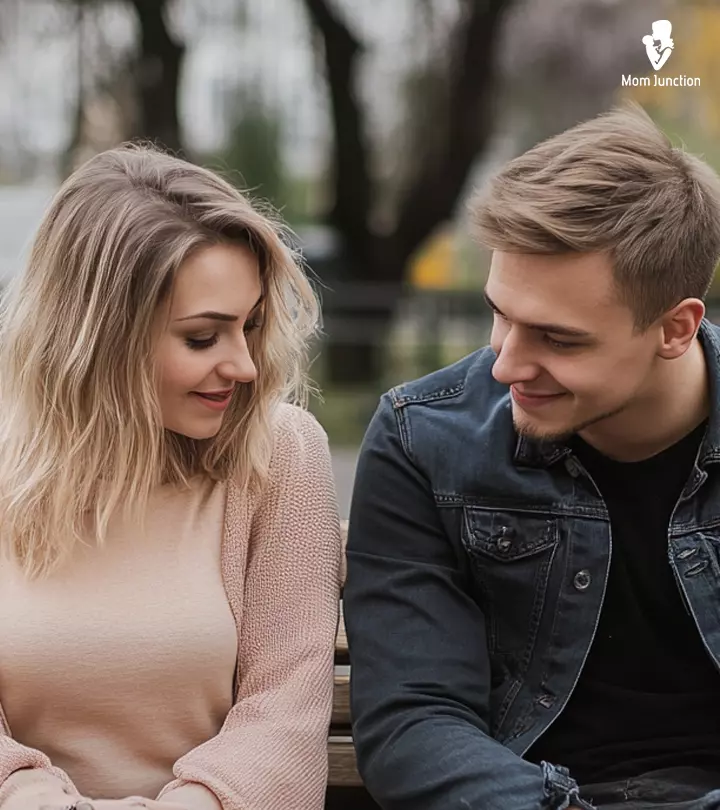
column 201, row 343
column 251, row 325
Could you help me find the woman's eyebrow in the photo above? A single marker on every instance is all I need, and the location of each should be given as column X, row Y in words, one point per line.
column 218, row 316
column 210, row 315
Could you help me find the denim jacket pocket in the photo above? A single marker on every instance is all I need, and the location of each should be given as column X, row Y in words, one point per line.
column 511, row 554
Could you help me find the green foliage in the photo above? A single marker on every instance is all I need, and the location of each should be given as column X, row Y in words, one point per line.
column 254, row 148
column 253, row 159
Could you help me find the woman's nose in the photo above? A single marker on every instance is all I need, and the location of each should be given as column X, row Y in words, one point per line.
column 240, row 368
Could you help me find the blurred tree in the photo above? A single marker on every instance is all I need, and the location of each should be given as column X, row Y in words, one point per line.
column 254, row 146
column 254, row 154
column 126, row 93
column 68, row 158
column 158, row 66
column 563, row 60
column 434, row 172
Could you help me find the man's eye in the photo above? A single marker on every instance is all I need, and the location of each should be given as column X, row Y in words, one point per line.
column 559, row 344
column 201, row 343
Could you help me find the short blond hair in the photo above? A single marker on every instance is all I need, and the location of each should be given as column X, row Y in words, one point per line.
column 616, row 185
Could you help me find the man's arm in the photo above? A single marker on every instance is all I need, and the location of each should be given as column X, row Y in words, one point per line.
column 420, row 680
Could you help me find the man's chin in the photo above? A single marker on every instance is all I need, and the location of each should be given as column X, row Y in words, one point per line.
column 539, row 429
column 542, row 433
column 549, row 431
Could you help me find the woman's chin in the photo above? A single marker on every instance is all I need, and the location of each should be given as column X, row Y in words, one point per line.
column 195, row 431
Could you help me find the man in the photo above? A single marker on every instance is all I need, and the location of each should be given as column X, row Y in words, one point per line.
column 533, row 592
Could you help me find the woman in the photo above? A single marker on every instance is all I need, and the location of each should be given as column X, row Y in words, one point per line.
column 170, row 541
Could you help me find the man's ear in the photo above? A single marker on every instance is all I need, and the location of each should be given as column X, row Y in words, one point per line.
column 679, row 327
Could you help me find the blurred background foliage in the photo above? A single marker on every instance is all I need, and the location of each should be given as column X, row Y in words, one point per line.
column 367, row 124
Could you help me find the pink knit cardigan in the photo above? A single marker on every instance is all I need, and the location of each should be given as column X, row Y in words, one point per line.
column 281, row 564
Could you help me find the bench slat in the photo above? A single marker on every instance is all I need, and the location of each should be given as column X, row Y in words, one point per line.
column 341, row 701
column 342, row 765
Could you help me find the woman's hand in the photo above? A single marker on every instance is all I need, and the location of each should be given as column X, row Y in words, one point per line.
column 134, row 803
column 96, row 804
column 130, row 803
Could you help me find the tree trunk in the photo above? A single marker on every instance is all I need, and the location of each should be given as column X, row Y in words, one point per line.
column 70, row 153
column 359, row 325
column 158, row 77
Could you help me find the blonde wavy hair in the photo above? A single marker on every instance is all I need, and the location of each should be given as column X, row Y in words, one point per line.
column 80, row 422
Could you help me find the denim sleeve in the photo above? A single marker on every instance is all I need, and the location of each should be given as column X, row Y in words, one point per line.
column 420, row 677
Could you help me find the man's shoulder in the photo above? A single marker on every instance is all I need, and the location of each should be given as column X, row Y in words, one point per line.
column 467, row 380
column 454, row 424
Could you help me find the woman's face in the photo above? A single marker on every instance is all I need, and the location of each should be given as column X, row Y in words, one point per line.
column 201, row 349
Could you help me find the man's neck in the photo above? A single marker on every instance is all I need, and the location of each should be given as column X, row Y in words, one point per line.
column 678, row 402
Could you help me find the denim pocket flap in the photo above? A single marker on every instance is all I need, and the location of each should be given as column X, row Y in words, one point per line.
column 507, row 536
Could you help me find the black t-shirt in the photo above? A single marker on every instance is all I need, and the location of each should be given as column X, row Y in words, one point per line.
column 649, row 694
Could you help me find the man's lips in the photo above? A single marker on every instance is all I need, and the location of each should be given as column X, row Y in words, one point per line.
column 530, row 400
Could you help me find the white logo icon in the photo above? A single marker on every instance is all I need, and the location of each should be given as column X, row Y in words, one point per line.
column 659, row 44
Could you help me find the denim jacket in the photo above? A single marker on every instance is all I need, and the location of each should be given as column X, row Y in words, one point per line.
column 477, row 566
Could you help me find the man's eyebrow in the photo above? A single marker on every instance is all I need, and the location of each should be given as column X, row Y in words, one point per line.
column 555, row 328
column 211, row 315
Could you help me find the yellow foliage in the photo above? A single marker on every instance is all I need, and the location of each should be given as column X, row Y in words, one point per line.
column 432, row 268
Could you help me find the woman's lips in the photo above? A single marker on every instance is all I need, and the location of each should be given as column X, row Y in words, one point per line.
column 216, row 402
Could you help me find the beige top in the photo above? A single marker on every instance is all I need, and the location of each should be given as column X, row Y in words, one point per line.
column 109, row 672
column 126, row 655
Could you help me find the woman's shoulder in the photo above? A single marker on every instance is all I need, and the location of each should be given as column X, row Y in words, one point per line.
column 297, row 450
column 295, row 430
column 300, row 458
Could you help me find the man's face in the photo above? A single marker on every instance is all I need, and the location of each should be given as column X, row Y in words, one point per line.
column 565, row 344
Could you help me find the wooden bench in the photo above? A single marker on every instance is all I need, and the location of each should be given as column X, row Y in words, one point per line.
column 341, row 752
column 345, row 790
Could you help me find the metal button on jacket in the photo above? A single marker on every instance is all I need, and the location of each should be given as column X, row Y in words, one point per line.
column 582, row 580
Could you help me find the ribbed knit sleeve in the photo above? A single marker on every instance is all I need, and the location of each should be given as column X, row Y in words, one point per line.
column 272, row 750
column 29, row 780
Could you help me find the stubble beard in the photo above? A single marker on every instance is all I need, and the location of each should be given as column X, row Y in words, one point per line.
column 528, row 430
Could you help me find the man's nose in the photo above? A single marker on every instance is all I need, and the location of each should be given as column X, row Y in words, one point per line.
column 513, row 363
